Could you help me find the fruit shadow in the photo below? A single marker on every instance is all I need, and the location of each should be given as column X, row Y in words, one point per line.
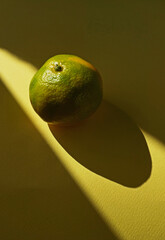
column 110, row 144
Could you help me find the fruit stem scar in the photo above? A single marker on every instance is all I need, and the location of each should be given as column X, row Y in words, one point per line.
column 58, row 67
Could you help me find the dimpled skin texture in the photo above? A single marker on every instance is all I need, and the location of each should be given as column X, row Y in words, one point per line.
column 66, row 89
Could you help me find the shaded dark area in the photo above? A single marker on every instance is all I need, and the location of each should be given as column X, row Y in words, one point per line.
column 110, row 144
column 124, row 39
column 127, row 40
column 38, row 198
column 36, row 30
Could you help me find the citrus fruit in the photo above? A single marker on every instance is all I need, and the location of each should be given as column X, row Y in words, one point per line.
column 65, row 90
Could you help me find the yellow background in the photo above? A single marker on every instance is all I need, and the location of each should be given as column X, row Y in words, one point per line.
column 115, row 186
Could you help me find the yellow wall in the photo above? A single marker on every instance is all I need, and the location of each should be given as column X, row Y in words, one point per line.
column 119, row 168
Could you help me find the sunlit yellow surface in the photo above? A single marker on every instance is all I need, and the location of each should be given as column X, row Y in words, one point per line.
column 135, row 212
